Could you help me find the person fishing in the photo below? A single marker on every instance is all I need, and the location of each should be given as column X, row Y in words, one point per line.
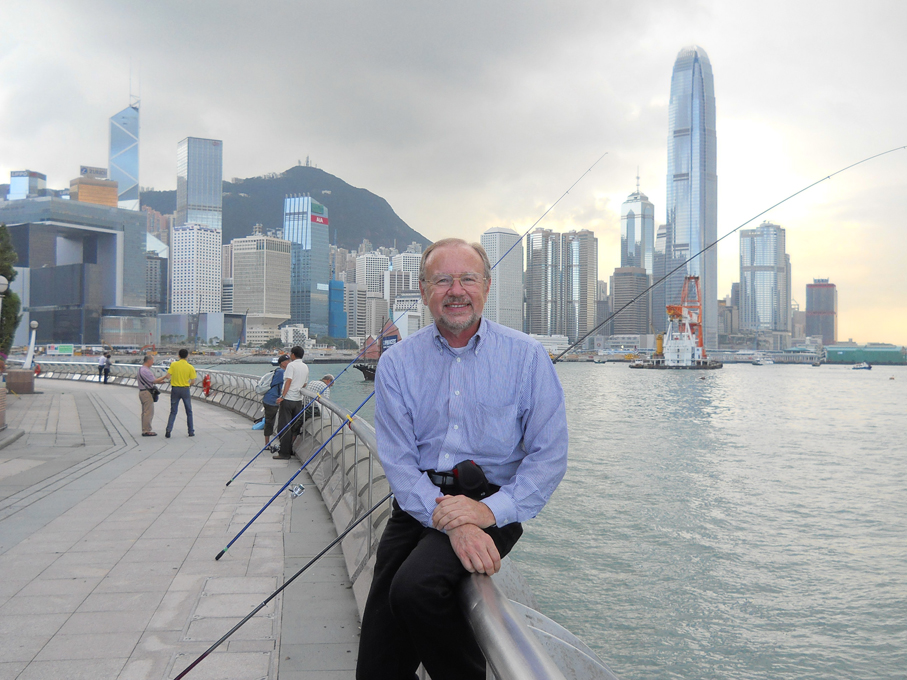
column 472, row 434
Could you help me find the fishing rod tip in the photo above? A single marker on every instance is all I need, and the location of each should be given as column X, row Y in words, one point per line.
column 228, row 483
column 220, row 554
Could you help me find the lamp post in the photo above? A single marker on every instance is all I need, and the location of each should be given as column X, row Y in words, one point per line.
column 31, row 345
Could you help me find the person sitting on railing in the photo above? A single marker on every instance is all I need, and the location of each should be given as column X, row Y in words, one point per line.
column 472, row 435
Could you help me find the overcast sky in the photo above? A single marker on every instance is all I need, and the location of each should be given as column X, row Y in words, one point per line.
column 468, row 115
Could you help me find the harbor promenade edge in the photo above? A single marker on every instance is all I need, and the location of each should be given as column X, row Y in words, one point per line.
column 107, row 545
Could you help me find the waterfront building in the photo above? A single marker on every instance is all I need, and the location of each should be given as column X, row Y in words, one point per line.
column 395, row 282
column 261, row 284
column 628, row 283
column 822, row 310
column 692, row 184
column 376, row 313
column 156, row 272
column 505, row 297
column 408, row 262
column 370, row 268
column 765, row 279
column 637, row 231
column 602, row 308
column 354, row 304
column 195, row 269
column 206, row 327
column 73, row 260
column 544, row 283
column 294, row 334
column 226, row 295
column 337, row 325
column 306, row 226
column 199, row 182
column 409, row 312
column 580, row 258
column 123, row 155
column 94, row 190
column 26, row 184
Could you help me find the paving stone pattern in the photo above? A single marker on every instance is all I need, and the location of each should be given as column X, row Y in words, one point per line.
column 107, row 545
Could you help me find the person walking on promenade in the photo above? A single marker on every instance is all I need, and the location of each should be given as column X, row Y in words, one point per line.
column 269, row 400
column 146, row 382
column 107, row 363
column 472, row 434
column 295, row 377
column 102, row 362
column 181, row 375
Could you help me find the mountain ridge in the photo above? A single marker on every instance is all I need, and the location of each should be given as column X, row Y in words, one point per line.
column 354, row 213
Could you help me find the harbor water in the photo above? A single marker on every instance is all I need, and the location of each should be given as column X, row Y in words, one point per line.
column 749, row 522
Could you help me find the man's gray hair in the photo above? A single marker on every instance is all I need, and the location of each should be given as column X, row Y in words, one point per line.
column 451, row 242
column 147, row 357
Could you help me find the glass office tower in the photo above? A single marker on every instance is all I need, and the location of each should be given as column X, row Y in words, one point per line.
column 305, row 225
column 764, row 279
column 123, row 156
column 822, row 310
column 692, row 182
column 199, row 182
column 505, row 297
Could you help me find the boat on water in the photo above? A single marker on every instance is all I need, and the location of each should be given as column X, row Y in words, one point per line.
column 862, row 366
column 681, row 347
column 762, row 360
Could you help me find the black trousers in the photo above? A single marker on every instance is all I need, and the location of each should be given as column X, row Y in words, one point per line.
column 413, row 613
column 288, row 411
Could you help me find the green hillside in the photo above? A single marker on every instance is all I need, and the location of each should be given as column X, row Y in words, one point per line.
column 354, row 213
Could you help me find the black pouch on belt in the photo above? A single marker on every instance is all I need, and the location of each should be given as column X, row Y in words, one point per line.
column 471, row 480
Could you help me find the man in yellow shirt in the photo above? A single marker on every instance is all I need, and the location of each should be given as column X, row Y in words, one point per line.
column 181, row 375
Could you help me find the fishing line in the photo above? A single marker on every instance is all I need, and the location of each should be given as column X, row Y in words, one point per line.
column 283, row 587
column 349, row 419
column 712, row 245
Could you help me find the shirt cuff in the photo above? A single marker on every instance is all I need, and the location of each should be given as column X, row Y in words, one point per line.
column 503, row 508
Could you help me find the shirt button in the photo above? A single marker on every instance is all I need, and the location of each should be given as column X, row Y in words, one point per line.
column 458, row 359
column 447, row 455
column 456, row 427
column 457, row 393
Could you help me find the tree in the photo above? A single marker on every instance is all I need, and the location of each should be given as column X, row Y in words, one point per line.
column 9, row 317
column 273, row 343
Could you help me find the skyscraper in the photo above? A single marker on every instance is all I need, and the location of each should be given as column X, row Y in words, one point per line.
column 626, row 284
column 199, row 182
column 822, row 310
column 306, row 225
column 764, row 279
column 692, row 183
column 261, row 284
column 123, row 155
column 195, row 262
column 505, row 298
column 544, row 285
column 370, row 268
column 580, row 258
column 637, row 241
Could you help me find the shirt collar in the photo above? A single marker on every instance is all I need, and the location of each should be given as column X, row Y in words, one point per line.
column 475, row 342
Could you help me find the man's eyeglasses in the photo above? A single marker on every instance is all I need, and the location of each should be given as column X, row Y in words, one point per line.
column 469, row 281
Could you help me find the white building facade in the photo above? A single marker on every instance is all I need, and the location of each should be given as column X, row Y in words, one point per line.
column 505, row 298
column 195, row 269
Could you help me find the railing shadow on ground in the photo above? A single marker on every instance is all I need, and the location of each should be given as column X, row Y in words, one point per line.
column 518, row 641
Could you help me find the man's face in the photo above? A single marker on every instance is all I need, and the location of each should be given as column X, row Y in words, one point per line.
column 284, row 363
column 454, row 307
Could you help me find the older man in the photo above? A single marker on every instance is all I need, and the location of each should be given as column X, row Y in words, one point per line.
column 472, row 435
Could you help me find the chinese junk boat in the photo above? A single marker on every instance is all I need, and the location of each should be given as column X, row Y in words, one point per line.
column 681, row 347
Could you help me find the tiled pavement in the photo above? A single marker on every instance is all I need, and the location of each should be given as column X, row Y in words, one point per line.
column 107, row 545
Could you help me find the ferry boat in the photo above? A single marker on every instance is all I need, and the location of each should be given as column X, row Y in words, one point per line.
column 681, row 347
column 762, row 360
column 862, row 366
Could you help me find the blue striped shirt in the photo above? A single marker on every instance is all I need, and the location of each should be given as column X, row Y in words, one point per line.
column 497, row 401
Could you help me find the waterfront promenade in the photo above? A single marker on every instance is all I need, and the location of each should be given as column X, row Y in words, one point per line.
column 108, row 538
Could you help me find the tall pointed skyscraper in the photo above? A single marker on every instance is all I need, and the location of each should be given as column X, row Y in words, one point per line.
column 692, row 195
column 123, row 155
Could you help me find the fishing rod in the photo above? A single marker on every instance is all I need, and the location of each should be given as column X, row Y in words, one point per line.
column 348, row 420
column 715, row 243
column 386, row 329
column 283, row 587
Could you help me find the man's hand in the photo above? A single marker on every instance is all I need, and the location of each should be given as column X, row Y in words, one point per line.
column 476, row 550
column 455, row 511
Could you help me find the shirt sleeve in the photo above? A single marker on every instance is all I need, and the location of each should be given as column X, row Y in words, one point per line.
column 544, row 422
column 397, row 448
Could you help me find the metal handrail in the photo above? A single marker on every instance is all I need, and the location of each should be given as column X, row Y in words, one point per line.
column 503, row 636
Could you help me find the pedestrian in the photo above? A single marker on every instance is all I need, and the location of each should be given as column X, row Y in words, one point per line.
column 472, row 433
column 269, row 400
column 147, row 382
column 181, row 375
column 295, row 377
column 107, row 363
column 102, row 362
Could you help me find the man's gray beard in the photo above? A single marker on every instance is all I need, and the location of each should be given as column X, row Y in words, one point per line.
column 459, row 326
